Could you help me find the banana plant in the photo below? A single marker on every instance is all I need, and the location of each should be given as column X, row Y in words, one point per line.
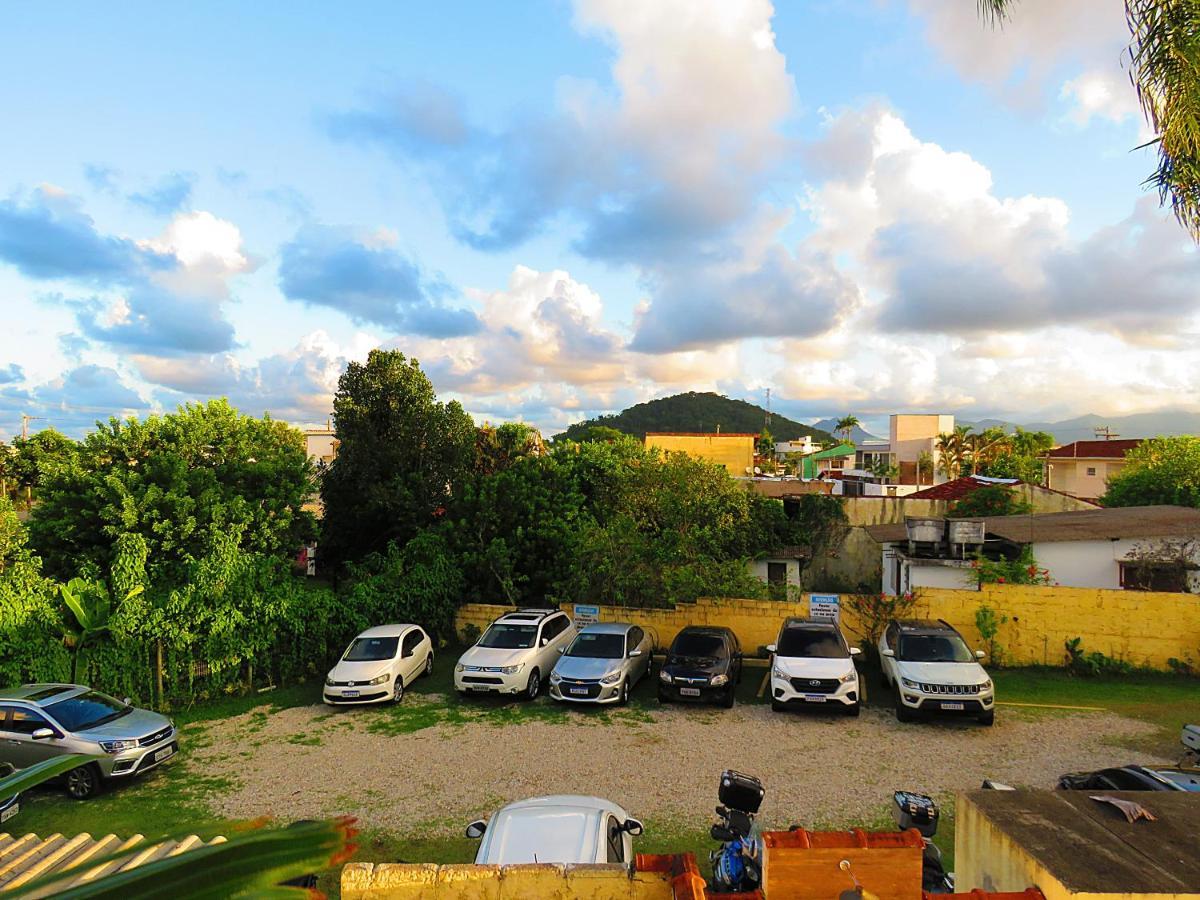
column 253, row 863
column 92, row 607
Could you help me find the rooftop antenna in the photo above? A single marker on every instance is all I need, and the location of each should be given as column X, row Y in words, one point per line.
column 25, row 420
column 1105, row 432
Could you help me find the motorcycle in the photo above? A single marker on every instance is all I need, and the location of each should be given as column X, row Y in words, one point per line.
column 737, row 865
column 918, row 811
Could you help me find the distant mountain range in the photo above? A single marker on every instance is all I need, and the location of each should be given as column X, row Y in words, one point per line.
column 700, row 412
column 1083, row 428
column 857, row 435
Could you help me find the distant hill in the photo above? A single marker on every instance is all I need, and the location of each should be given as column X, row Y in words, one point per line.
column 1082, row 428
column 703, row 412
column 857, row 435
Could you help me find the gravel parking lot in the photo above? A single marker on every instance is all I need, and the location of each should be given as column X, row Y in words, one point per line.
column 436, row 762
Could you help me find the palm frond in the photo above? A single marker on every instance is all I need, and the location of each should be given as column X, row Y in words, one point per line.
column 1164, row 56
column 996, row 11
column 31, row 776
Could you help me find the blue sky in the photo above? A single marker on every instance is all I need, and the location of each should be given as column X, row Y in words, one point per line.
column 565, row 208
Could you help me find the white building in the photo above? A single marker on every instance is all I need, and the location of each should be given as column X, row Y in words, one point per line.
column 1137, row 548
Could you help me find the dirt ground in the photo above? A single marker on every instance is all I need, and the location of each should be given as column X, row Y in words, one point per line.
column 420, row 767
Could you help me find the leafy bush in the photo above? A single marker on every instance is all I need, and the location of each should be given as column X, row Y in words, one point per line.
column 988, row 622
column 1095, row 663
column 873, row 612
column 1022, row 570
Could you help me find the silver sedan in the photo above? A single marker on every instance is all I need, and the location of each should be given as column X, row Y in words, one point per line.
column 602, row 664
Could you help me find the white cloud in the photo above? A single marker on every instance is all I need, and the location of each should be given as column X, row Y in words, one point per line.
column 1099, row 94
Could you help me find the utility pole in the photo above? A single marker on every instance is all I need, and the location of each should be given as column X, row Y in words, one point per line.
column 25, row 420
column 768, row 423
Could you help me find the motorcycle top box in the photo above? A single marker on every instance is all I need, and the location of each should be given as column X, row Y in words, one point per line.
column 741, row 792
column 915, row 811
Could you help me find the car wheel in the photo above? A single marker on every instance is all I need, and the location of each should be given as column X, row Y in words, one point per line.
column 777, row 706
column 854, row 709
column 727, row 700
column 83, row 783
column 987, row 718
column 398, row 690
column 663, row 698
column 624, row 698
column 534, row 687
column 903, row 713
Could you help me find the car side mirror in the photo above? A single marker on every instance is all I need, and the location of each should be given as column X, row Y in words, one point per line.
column 770, row 648
column 889, row 652
column 633, row 653
column 407, row 653
column 128, row 701
column 562, row 649
column 545, row 641
column 43, row 734
column 476, row 829
column 979, row 654
column 633, row 827
column 856, row 651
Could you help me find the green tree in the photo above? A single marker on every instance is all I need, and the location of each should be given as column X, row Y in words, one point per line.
column 12, row 534
column 1162, row 470
column 1164, row 64
column 1020, row 457
column 598, row 433
column 92, row 610
column 924, row 467
column 497, row 448
column 401, row 456
column 845, row 426
column 177, row 480
column 993, row 500
column 36, row 457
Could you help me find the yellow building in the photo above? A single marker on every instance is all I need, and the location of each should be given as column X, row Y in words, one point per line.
column 321, row 444
column 734, row 451
column 910, row 435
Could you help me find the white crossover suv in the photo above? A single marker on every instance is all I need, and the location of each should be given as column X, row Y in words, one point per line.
column 561, row 829
column 932, row 671
column 379, row 664
column 516, row 654
column 811, row 664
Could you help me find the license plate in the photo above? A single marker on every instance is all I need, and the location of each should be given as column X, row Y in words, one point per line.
column 689, row 692
column 952, row 706
column 349, row 693
column 815, row 698
column 160, row 755
column 479, row 688
column 577, row 691
column 10, row 812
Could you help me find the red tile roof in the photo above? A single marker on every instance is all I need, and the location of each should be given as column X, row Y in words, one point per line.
column 961, row 487
column 1093, row 449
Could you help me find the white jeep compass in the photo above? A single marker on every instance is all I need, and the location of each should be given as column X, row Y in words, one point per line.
column 932, row 671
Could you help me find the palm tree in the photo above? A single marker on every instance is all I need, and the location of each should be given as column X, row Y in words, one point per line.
column 92, row 608
column 845, row 425
column 984, row 448
column 952, row 451
column 1164, row 66
column 924, row 467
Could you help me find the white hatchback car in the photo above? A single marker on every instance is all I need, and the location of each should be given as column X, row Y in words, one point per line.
column 811, row 664
column 379, row 664
column 932, row 670
column 561, row 829
column 516, row 654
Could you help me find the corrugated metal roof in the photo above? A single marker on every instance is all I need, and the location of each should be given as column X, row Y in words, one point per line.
column 28, row 857
column 1076, row 525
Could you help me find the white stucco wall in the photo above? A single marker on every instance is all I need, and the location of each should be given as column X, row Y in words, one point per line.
column 920, row 576
column 758, row 568
column 1083, row 563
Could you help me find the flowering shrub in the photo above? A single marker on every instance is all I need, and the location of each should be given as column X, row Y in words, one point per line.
column 1022, row 570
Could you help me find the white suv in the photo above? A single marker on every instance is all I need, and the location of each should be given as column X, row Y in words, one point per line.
column 563, row 829
column 811, row 663
column 932, row 670
column 516, row 653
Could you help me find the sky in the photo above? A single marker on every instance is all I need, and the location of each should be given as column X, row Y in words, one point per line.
column 565, row 208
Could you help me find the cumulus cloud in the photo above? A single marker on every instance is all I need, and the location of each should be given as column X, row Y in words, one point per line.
column 925, row 231
column 169, row 194
column 72, row 402
column 11, row 374
column 370, row 280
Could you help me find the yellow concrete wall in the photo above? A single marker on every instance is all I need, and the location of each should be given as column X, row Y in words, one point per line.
column 1144, row 628
column 733, row 451
column 386, row 881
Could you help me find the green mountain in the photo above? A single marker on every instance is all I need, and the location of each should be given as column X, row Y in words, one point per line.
column 702, row 412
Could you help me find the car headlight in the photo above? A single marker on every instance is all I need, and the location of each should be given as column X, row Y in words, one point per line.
column 986, row 686
column 777, row 672
column 848, row 677
column 909, row 683
column 555, row 678
column 664, row 676
column 380, row 679
column 513, row 670
column 718, row 680
column 329, row 680
column 460, row 668
column 118, row 746
column 611, row 678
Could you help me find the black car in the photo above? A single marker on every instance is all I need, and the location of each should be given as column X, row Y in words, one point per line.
column 704, row 664
column 1134, row 778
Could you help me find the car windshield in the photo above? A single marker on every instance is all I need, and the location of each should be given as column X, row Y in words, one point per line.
column 811, row 642
column 598, row 646
column 509, row 637
column 371, row 649
column 87, row 711
column 698, row 646
column 1188, row 780
column 934, row 648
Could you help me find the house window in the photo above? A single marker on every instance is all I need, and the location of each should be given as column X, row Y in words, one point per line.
column 1142, row 577
column 776, row 573
column 1091, row 470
